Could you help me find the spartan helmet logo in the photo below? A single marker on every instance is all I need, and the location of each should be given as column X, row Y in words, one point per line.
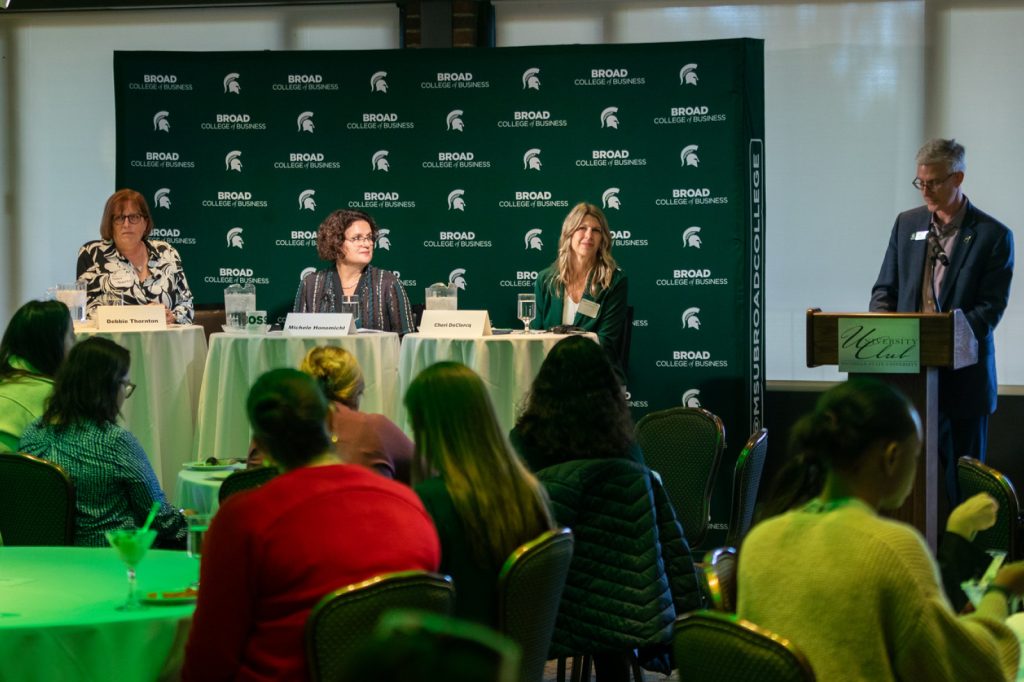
column 233, row 161
column 231, row 84
column 690, row 319
column 609, row 119
column 688, row 75
column 235, row 238
column 305, row 122
column 306, row 200
column 379, row 161
column 532, row 239
column 531, row 160
column 161, row 122
column 377, row 82
column 455, row 120
column 688, row 156
column 530, row 79
column 455, row 200
column 691, row 237
column 382, row 240
column 610, row 198
column 456, row 278
column 691, row 398
column 306, row 272
column 162, row 198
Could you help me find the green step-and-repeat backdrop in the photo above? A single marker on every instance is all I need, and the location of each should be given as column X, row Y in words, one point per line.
column 469, row 159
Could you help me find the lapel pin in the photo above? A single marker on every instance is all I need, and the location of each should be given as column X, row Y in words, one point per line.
column 967, row 238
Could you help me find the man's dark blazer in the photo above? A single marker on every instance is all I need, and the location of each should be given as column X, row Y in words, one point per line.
column 977, row 281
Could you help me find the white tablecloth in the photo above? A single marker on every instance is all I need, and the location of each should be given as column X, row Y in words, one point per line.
column 507, row 363
column 235, row 361
column 167, row 370
column 58, row 619
column 198, row 490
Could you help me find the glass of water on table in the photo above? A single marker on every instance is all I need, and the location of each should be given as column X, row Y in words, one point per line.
column 197, row 526
column 527, row 310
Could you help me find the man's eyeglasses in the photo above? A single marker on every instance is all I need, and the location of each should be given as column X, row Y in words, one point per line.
column 132, row 218
column 929, row 185
column 129, row 388
column 361, row 239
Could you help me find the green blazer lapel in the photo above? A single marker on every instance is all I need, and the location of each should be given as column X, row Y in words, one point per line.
column 580, row 317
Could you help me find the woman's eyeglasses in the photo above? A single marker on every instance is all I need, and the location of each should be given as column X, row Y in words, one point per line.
column 129, row 388
column 361, row 239
column 132, row 218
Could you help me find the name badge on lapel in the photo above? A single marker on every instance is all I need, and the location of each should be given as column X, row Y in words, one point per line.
column 919, row 236
column 589, row 308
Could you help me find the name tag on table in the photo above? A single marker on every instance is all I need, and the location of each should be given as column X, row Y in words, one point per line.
column 920, row 235
column 588, row 308
column 455, row 324
column 318, row 324
column 130, row 318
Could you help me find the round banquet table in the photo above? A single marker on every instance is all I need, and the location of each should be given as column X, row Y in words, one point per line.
column 167, row 370
column 58, row 616
column 235, row 361
column 507, row 363
column 199, row 490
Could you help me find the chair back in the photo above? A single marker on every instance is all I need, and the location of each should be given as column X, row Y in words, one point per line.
column 975, row 477
column 244, row 480
column 720, row 569
column 627, row 338
column 716, row 646
column 530, row 588
column 345, row 619
column 746, row 480
column 211, row 317
column 684, row 445
column 37, row 502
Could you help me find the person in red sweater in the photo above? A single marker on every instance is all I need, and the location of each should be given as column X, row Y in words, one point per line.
column 273, row 552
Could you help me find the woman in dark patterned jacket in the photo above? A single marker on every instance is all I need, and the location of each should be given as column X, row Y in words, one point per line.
column 348, row 238
column 128, row 268
column 115, row 486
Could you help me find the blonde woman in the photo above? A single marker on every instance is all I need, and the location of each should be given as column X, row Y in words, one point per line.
column 584, row 287
column 371, row 440
column 484, row 501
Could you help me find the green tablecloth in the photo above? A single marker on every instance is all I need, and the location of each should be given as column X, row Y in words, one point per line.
column 235, row 361
column 58, row 619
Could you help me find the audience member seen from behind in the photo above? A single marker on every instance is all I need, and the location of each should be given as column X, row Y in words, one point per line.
column 115, row 486
column 584, row 287
column 126, row 267
column 576, row 409
column 482, row 498
column 371, row 440
column 273, row 552
column 33, row 348
column 859, row 593
column 347, row 239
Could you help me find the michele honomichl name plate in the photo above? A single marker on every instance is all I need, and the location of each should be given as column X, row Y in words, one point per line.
column 879, row 345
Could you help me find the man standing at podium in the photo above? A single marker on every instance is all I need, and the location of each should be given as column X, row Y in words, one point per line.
column 941, row 256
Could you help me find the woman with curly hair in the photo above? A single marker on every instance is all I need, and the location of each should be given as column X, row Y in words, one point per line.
column 347, row 238
column 584, row 287
column 575, row 409
column 484, row 502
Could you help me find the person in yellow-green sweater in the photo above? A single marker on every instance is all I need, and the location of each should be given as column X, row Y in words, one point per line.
column 859, row 593
column 34, row 346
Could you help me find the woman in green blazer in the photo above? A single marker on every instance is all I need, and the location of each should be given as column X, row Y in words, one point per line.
column 584, row 287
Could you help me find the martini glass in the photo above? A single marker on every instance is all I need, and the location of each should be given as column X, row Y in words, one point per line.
column 131, row 546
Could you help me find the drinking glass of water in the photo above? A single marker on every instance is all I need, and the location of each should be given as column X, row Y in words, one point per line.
column 350, row 304
column 197, row 525
column 527, row 306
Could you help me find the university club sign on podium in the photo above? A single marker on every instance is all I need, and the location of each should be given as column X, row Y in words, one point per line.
column 469, row 159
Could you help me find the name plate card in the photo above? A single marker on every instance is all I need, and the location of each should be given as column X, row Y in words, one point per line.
column 880, row 345
column 318, row 324
column 130, row 318
column 455, row 324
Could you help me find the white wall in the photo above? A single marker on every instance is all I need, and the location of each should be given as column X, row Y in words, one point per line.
column 57, row 159
column 852, row 89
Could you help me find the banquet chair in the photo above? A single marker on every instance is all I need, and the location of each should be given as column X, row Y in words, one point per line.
column 746, row 479
column 530, row 588
column 627, row 338
column 716, row 646
column 720, row 570
column 244, row 480
column 345, row 619
column 37, row 502
column 976, row 477
column 211, row 317
column 684, row 445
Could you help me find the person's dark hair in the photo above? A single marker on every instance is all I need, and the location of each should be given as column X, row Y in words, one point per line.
column 288, row 412
column 87, row 384
column 331, row 235
column 576, row 408
column 846, row 422
column 35, row 334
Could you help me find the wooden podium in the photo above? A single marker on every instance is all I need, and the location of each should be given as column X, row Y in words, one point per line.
column 946, row 341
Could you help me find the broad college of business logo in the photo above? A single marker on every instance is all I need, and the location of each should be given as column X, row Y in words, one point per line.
column 162, row 122
column 531, row 159
column 234, row 238
column 610, row 198
column 378, row 82
column 455, row 200
column 305, row 122
column 231, row 84
column 690, row 319
column 306, row 200
column 609, row 119
column 454, row 120
column 688, row 157
column 379, row 161
column 688, row 75
column 233, row 161
column 691, row 237
column 531, row 79
column 383, row 241
column 162, row 198
column 456, row 277
column 691, row 398
column 532, row 239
